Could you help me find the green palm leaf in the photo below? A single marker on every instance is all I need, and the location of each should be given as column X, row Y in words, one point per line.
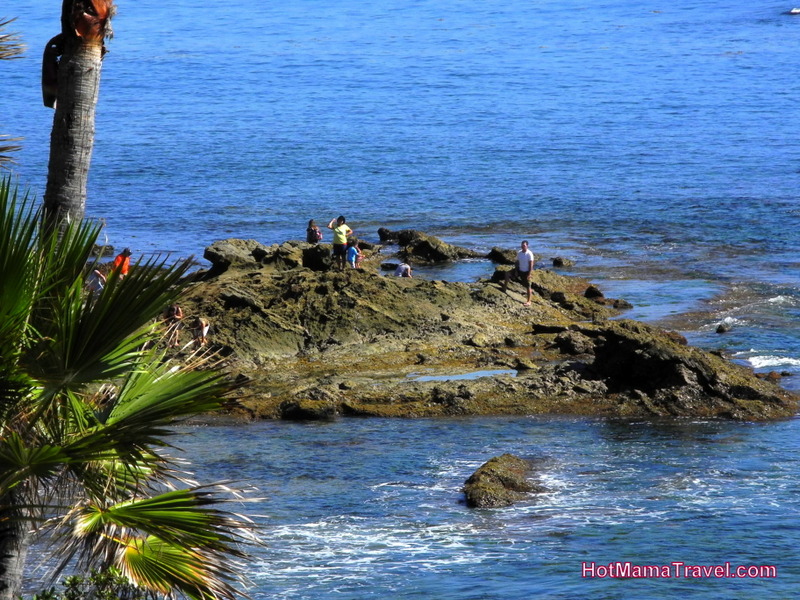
column 86, row 413
column 160, row 566
column 175, row 540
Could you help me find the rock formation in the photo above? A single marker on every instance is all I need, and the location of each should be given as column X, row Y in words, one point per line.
column 501, row 481
column 312, row 343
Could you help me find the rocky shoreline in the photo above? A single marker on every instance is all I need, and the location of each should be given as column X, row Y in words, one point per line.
column 308, row 342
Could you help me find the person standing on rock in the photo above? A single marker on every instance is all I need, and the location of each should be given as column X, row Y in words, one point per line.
column 340, row 233
column 122, row 263
column 354, row 255
column 172, row 319
column 523, row 270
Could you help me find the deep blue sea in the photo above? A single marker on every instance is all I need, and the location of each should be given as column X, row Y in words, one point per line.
column 655, row 145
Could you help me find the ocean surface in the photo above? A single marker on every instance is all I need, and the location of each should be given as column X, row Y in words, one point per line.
column 655, row 145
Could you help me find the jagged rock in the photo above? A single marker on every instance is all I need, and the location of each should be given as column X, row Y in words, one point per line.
column 102, row 251
column 573, row 342
column 560, row 262
column 422, row 247
column 479, row 340
column 387, row 235
column 594, row 293
column 501, row 481
column 770, row 376
column 525, row 364
column 502, row 256
column 634, row 356
column 318, row 257
column 621, row 304
column 308, row 410
column 283, row 257
column 233, row 252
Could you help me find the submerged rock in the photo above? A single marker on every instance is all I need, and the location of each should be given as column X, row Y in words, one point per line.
column 560, row 262
column 501, row 481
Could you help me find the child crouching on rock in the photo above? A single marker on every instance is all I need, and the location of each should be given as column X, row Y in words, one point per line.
column 200, row 329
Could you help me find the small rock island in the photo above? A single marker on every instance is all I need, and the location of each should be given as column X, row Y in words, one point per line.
column 307, row 341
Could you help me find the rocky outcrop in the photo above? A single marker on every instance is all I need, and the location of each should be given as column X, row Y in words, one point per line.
column 501, row 481
column 314, row 343
column 423, row 248
column 502, row 256
column 561, row 263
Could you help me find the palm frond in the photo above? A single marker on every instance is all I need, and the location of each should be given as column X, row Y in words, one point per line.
column 179, row 540
column 7, row 148
column 20, row 461
column 86, row 410
column 86, row 340
column 136, row 420
column 11, row 45
column 19, row 268
column 184, row 517
column 161, row 567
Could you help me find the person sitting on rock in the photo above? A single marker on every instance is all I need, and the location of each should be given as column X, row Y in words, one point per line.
column 340, row 233
column 403, row 270
column 95, row 283
column 522, row 270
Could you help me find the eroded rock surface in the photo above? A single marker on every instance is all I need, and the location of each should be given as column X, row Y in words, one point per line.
column 315, row 343
column 501, row 481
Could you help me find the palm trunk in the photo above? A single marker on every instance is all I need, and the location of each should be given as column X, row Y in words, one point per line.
column 15, row 538
column 84, row 26
column 72, row 138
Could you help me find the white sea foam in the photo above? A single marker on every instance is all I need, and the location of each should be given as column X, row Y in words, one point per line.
column 763, row 362
column 783, row 301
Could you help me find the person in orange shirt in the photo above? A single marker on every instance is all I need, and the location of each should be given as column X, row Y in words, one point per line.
column 122, row 263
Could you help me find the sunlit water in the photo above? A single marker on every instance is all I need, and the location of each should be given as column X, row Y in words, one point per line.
column 374, row 509
column 654, row 145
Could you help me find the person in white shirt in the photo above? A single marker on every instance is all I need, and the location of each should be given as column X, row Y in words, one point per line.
column 522, row 270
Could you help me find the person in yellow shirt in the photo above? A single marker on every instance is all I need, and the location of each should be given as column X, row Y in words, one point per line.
column 340, row 233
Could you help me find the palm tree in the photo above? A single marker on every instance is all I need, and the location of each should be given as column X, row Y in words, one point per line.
column 86, row 403
column 10, row 47
column 71, row 83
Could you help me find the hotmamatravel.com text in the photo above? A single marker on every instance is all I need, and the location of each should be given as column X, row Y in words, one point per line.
column 676, row 569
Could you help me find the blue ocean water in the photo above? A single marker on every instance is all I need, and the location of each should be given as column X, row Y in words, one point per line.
column 374, row 509
column 654, row 145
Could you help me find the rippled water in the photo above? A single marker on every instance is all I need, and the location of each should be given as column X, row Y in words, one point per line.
column 373, row 508
column 656, row 146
